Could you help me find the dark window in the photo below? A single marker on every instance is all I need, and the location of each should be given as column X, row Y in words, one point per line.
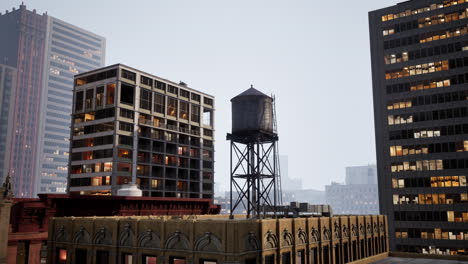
column 172, row 89
column 158, row 103
column 184, row 93
column 127, row 94
column 128, row 75
column 159, row 85
column 145, row 99
column 79, row 101
column 102, row 257
column 81, row 256
column 146, row 81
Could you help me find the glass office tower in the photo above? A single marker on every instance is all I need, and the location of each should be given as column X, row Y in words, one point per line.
column 46, row 53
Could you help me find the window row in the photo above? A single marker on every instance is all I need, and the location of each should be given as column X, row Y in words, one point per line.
column 429, row 165
column 426, row 37
column 429, row 132
column 170, row 88
column 93, row 181
column 182, row 162
column 91, row 142
column 436, row 233
column 96, row 77
column 427, row 116
column 162, row 104
column 429, row 99
column 422, row 85
column 171, row 185
column 95, row 97
column 89, row 155
column 425, row 68
column 425, row 22
column 91, row 129
column 426, row 52
column 168, row 172
column 90, row 116
column 418, row 165
column 437, row 216
column 434, row 198
column 432, row 182
column 459, row 146
column 410, row 12
column 91, row 168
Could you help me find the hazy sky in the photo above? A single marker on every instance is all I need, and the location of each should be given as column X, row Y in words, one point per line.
column 313, row 55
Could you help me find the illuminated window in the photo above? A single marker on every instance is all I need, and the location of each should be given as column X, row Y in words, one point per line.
column 172, row 107
column 110, row 93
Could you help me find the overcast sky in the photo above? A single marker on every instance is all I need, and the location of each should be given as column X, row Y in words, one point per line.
column 313, row 55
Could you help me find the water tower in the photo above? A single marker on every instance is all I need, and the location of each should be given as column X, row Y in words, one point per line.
column 254, row 163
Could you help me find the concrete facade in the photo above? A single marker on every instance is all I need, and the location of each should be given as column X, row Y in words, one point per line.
column 217, row 239
column 129, row 126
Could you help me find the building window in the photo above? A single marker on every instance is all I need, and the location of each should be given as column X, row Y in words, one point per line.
column 127, row 258
column 158, row 103
column 128, row 75
column 127, row 94
column 125, row 126
column 100, row 96
column 79, row 101
column 195, row 113
column 184, row 93
column 208, row 101
column 145, row 99
column 146, row 81
column 207, row 117
column 89, row 99
column 196, row 97
column 159, row 85
column 172, row 106
column 172, row 89
column 81, row 255
column 149, row 259
column 110, row 93
column 61, row 255
column 102, row 257
column 126, row 113
column 184, row 110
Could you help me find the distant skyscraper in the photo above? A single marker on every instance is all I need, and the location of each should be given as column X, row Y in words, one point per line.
column 420, row 83
column 46, row 53
column 359, row 193
column 288, row 184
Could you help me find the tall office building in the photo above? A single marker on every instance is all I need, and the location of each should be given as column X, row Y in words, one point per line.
column 131, row 127
column 419, row 59
column 46, row 53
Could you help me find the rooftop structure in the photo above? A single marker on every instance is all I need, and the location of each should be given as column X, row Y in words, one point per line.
column 217, row 239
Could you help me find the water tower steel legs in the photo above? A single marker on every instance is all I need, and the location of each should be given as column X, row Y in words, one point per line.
column 253, row 177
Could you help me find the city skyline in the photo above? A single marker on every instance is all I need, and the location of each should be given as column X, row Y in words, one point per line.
column 243, row 43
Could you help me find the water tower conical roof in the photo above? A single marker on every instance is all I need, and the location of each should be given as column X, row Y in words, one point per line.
column 250, row 92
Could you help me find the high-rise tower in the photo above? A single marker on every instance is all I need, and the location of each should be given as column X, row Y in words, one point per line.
column 46, row 53
column 419, row 65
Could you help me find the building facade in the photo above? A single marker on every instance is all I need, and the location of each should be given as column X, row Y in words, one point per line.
column 129, row 126
column 359, row 193
column 46, row 53
column 7, row 95
column 212, row 239
column 418, row 51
